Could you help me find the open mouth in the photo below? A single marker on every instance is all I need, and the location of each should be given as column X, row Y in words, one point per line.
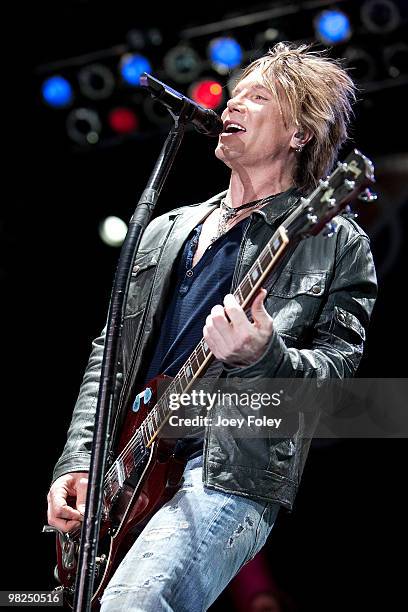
column 232, row 128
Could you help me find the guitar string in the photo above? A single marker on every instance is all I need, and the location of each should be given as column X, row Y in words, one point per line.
column 155, row 411
column 135, row 449
column 129, row 451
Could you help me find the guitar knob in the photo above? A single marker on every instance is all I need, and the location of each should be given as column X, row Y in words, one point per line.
column 367, row 196
column 330, row 229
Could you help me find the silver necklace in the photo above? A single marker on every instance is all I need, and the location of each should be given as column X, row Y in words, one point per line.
column 226, row 213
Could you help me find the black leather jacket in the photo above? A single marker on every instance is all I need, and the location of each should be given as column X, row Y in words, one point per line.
column 321, row 306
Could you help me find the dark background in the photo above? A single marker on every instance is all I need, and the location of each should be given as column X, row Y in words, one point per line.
column 340, row 548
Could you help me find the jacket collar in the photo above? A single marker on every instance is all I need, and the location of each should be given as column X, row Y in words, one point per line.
column 279, row 205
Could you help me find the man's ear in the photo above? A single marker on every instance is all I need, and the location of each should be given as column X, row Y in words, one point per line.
column 300, row 137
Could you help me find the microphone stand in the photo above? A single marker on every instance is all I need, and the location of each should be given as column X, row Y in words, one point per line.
column 141, row 217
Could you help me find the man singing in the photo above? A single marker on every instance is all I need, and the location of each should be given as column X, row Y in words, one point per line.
column 283, row 127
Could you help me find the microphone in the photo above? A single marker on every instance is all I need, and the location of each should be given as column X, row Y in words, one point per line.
column 204, row 120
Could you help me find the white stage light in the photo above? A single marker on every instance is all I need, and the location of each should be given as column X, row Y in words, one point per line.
column 112, row 231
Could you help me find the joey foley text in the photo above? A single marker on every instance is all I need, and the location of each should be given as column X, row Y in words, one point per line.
column 203, row 399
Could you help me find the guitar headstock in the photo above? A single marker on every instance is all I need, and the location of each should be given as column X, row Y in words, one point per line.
column 349, row 180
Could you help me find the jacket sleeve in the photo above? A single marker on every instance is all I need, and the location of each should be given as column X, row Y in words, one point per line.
column 77, row 451
column 337, row 342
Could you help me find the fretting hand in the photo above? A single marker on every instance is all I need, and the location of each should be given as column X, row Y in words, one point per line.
column 237, row 341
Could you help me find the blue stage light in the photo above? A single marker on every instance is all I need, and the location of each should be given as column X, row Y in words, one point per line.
column 332, row 27
column 132, row 67
column 57, row 91
column 225, row 53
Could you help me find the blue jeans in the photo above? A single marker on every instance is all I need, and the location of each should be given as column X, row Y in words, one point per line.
column 190, row 549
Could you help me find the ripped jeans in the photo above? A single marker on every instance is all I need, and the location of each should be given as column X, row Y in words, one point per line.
column 190, row 549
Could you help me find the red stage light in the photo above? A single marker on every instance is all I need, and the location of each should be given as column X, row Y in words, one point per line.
column 208, row 93
column 123, row 120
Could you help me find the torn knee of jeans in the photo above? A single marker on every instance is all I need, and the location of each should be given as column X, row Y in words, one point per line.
column 146, row 555
column 111, row 592
column 158, row 534
column 248, row 523
column 184, row 525
column 185, row 486
column 116, row 591
column 149, row 581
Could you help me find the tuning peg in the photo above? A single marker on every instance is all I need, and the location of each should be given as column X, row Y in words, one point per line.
column 312, row 218
column 324, row 183
column 330, row 229
column 367, row 196
column 342, row 166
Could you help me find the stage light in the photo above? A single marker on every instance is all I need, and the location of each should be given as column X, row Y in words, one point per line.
column 132, row 66
column 84, row 126
column 96, row 81
column 112, row 231
column 332, row 27
column 139, row 39
column 362, row 64
column 182, row 64
column 136, row 39
column 266, row 38
column 123, row 120
column 380, row 16
column 207, row 92
column 225, row 54
column 154, row 37
column 57, row 91
column 396, row 59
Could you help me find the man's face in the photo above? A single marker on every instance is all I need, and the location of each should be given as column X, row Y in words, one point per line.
column 265, row 139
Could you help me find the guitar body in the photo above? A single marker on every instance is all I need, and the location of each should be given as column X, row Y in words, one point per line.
column 152, row 482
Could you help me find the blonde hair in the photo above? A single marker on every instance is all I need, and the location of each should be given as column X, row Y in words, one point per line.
column 318, row 94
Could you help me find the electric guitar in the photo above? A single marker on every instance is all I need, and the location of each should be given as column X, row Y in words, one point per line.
column 145, row 473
